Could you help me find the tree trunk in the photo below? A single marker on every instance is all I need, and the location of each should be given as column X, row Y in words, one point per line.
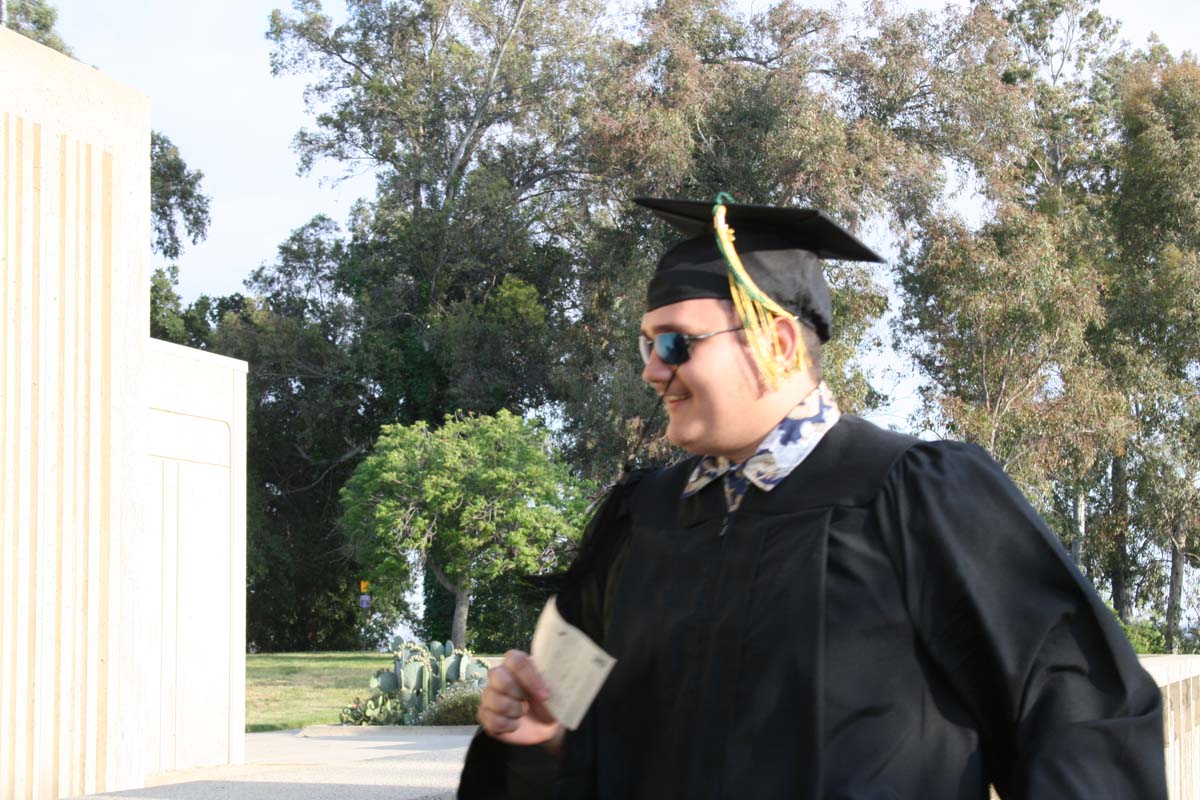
column 462, row 601
column 458, row 628
column 1118, row 558
column 1080, row 528
column 1174, row 596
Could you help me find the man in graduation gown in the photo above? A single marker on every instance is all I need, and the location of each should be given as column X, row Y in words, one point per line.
column 810, row 606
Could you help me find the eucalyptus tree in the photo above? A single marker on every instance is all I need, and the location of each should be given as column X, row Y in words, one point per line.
column 1057, row 332
column 1153, row 299
column 862, row 116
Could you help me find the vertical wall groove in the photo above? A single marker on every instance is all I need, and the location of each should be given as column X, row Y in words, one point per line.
column 20, row 528
column 87, row 752
column 107, row 457
column 64, row 476
column 37, row 530
column 8, row 450
column 83, row 411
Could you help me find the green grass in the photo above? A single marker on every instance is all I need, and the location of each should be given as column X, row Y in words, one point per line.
column 291, row 690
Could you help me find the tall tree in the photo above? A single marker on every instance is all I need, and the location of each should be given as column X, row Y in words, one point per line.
column 1153, row 297
column 35, row 19
column 176, row 201
column 794, row 106
column 1058, row 334
column 466, row 111
column 997, row 324
column 306, row 431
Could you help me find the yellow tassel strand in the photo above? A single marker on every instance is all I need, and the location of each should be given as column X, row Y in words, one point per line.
column 758, row 312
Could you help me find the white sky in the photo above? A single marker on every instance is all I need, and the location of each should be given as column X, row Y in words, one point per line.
column 204, row 67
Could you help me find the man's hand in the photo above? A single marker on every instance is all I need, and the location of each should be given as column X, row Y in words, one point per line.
column 512, row 708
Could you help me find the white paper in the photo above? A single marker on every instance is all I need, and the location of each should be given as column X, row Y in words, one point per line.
column 573, row 666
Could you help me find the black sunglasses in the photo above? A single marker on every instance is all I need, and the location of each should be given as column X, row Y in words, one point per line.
column 673, row 348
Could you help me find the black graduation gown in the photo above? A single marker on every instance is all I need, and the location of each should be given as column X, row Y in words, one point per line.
column 892, row 622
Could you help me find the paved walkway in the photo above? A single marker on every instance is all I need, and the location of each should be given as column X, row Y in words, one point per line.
column 327, row 762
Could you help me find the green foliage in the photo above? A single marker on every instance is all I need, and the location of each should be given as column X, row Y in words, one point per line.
column 1062, row 333
column 456, row 705
column 502, row 616
column 438, row 609
column 478, row 499
column 1145, row 636
column 858, row 116
column 35, row 19
column 166, row 307
column 488, row 346
column 175, row 198
column 500, row 266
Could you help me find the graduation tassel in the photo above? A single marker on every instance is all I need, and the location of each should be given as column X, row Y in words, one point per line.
column 758, row 312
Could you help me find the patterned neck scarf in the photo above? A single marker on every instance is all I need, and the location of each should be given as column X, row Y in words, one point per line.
column 781, row 451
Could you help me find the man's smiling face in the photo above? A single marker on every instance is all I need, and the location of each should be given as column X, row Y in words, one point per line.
column 716, row 400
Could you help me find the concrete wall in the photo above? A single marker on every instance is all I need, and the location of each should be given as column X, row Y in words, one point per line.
column 122, row 462
column 196, row 542
column 74, row 234
column 1179, row 679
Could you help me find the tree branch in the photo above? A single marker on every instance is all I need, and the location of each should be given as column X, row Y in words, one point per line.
column 441, row 577
column 460, row 153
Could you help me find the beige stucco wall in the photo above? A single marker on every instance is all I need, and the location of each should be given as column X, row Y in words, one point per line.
column 74, row 234
column 196, row 546
column 1179, row 679
column 122, row 506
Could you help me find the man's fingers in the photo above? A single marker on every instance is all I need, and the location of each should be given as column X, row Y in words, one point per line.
column 501, row 680
column 502, row 705
column 505, row 706
column 522, row 668
column 495, row 723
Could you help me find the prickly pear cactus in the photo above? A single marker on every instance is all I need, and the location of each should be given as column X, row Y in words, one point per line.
column 418, row 676
column 385, row 680
column 451, row 666
column 476, row 672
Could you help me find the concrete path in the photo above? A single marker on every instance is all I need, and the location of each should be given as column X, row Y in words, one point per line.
column 327, row 762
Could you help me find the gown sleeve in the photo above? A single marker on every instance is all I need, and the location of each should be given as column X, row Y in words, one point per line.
column 497, row 771
column 1063, row 707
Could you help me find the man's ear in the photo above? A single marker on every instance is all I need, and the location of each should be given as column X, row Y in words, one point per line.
column 787, row 333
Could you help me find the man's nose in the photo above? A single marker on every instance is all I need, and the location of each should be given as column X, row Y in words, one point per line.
column 656, row 372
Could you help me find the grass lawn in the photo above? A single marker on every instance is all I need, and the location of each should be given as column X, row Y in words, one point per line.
column 291, row 690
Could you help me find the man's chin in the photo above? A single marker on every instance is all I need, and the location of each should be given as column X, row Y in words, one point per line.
column 679, row 436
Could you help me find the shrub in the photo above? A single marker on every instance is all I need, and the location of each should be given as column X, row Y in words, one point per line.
column 456, row 705
column 1145, row 637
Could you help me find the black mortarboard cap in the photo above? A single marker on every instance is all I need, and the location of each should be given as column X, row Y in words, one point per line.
column 780, row 248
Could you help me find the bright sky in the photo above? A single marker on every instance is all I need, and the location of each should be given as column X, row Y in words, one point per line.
column 204, row 67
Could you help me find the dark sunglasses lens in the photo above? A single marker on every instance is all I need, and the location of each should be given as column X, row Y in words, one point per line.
column 672, row 348
column 645, row 347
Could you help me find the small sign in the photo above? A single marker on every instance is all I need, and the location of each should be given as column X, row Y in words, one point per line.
column 364, row 586
column 364, row 601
